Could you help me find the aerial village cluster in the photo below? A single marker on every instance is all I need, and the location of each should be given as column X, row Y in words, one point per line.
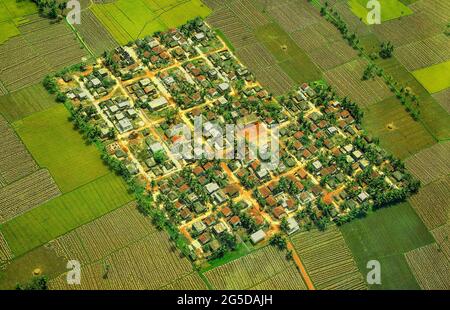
column 329, row 170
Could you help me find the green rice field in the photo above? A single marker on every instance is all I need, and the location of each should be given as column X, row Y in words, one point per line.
column 55, row 145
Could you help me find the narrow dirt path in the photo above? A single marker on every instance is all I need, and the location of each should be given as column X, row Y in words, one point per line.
column 300, row 266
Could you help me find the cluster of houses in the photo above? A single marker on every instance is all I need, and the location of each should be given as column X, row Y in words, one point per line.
column 121, row 112
column 326, row 162
column 145, row 94
column 99, row 82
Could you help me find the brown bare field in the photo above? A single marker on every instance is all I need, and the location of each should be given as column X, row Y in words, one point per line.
column 94, row 34
column 189, row 282
column 347, row 80
column 430, row 164
column 15, row 161
column 424, row 53
column 27, row 193
column 255, row 269
column 235, row 30
column 328, row 260
column 5, row 251
column 430, row 267
column 41, row 48
column 443, row 98
column 432, row 203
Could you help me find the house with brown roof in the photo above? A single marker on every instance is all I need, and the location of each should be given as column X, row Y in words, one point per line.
column 235, row 221
column 226, row 211
column 279, row 212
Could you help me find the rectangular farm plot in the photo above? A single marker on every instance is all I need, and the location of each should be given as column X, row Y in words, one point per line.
column 347, row 79
column 12, row 13
column 432, row 203
column 41, row 48
column 112, row 231
column 288, row 54
column 431, row 163
column 385, row 235
column 434, row 78
column 5, row 251
column 126, row 21
column 424, row 53
column 15, row 161
column 26, row 193
column 149, row 263
column 55, row 145
column 94, row 34
column 25, row 102
column 390, row 9
column 328, row 260
column 430, row 266
column 65, row 213
column 395, row 128
column 255, row 269
column 441, row 235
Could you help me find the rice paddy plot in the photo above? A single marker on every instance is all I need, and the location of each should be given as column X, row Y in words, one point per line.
column 99, row 238
column 434, row 78
column 149, row 263
column 55, row 145
column 25, row 102
column 129, row 20
column 233, row 28
column 15, row 161
column 424, row 53
column 40, row 261
column 254, row 269
column 432, row 203
column 65, row 213
column 442, row 237
column 94, row 34
column 397, row 131
column 431, row 163
column 12, row 14
column 390, row 9
column 443, row 98
column 385, row 235
column 42, row 47
column 26, row 193
column 290, row 57
column 430, row 266
column 347, row 80
column 328, row 260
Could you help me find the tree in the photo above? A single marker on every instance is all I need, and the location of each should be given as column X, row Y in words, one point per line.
column 159, row 156
column 284, row 226
column 279, row 241
column 36, row 283
column 386, row 50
